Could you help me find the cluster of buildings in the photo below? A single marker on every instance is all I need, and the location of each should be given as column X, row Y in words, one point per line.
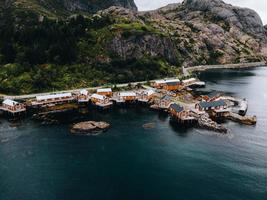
column 211, row 104
column 103, row 98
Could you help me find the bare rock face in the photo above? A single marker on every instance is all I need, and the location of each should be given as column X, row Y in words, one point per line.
column 243, row 18
column 91, row 5
column 137, row 47
column 89, row 127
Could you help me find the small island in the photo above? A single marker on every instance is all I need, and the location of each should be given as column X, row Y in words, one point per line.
column 89, row 127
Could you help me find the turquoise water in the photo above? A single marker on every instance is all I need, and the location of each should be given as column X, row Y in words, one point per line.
column 129, row 162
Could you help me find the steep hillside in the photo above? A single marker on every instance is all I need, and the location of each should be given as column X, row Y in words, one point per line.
column 41, row 53
column 60, row 8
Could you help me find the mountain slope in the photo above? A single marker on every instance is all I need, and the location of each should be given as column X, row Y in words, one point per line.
column 41, row 53
column 59, row 8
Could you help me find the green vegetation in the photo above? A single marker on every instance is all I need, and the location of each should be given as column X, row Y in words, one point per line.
column 135, row 28
column 214, row 56
column 43, row 54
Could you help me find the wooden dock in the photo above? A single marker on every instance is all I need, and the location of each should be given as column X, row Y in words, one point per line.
column 19, row 110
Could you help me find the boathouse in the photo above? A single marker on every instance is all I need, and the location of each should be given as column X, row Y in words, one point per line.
column 12, row 107
column 105, row 91
column 211, row 96
column 217, row 106
column 145, row 95
column 165, row 102
column 127, row 96
column 83, row 96
column 101, row 100
column 180, row 114
column 171, row 86
column 167, row 84
column 159, row 84
column 53, row 99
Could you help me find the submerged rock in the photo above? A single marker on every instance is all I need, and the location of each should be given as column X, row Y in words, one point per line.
column 149, row 125
column 89, row 127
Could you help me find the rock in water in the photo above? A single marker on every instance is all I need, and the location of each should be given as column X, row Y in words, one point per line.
column 149, row 125
column 89, row 127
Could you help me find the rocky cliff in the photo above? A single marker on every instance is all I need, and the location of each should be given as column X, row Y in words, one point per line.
column 191, row 33
column 57, row 44
column 245, row 19
column 57, row 8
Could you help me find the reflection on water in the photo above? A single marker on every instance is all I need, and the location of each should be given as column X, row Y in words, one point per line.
column 129, row 162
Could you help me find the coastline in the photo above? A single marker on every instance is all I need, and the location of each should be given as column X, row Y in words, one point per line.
column 186, row 72
column 225, row 66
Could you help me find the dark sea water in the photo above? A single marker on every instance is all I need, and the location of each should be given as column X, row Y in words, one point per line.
column 46, row 162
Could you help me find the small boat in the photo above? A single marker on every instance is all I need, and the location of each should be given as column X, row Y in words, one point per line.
column 243, row 107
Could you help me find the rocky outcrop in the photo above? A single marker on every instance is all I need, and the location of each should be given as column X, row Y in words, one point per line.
column 91, row 6
column 95, row 5
column 149, row 44
column 89, row 127
column 196, row 32
column 243, row 18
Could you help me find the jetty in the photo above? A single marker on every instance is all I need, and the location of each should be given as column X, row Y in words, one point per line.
column 188, row 70
column 247, row 120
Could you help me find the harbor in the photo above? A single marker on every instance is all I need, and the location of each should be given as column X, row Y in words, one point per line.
column 142, row 144
column 171, row 95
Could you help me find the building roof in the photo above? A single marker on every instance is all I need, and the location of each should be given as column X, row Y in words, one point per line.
column 104, row 90
column 166, row 97
column 172, row 80
column 53, row 96
column 172, row 83
column 212, row 104
column 214, row 94
column 189, row 80
column 10, row 102
column 127, row 94
column 176, row 107
column 84, row 92
column 149, row 92
column 160, row 81
column 166, row 81
column 98, row 96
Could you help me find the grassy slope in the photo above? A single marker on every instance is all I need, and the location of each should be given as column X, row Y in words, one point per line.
column 65, row 54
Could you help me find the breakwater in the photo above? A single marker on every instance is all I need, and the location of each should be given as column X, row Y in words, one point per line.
column 225, row 66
